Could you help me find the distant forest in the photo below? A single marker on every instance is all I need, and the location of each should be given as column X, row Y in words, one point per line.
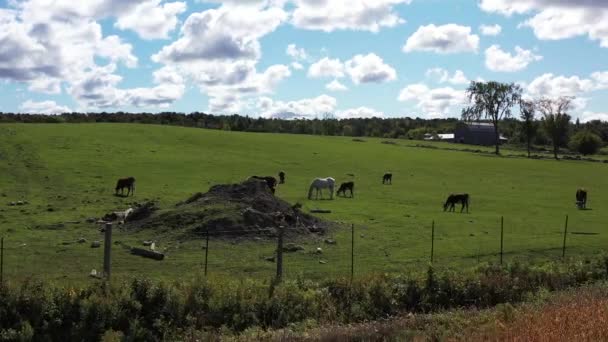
column 398, row 128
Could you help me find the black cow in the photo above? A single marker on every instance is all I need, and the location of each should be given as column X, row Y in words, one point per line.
column 128, row 183
column 453, row 199
column 350, row 186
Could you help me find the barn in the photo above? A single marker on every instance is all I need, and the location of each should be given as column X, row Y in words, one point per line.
column 477, row 133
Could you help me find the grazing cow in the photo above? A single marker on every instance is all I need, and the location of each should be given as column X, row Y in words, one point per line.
column 270, row 181
column 453, row 199
column 281, row 177
column 387, row 178
column 350, row 186
column 319, row 184
column 581, row 198
column 128, row 183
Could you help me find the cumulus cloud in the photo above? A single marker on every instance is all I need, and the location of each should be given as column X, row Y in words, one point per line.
column 550, row 85
column 490, row 30
column 591, row 116
column 443, row 76
column 297, row 66
column 298, row 54
column 437, row 102
column 361, row 112
column 43, row 107
column 503, row 61
column 360, row 15
column 553, row 86
column 558, row 19
column 326, row 67
column 450, row 38
column 369, row 69
column 304, row 108
column 151, row 19
column 226, row 33
column 218, row 49
column 335, row 85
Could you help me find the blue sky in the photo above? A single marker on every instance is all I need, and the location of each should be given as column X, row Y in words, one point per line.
column 348, row 58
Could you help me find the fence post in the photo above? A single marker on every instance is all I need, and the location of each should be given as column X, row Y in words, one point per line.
column 432, row 241
column 565, row 233
column 1, row 261
column 206, row 250
column 280, row 255
column 502, row 231
column 352, row 252
column 107, row 258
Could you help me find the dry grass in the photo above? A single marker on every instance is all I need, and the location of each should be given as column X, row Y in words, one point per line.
column 576, row 315
column 582, row 316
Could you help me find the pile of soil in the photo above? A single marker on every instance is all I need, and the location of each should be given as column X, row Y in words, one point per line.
column 247, row 209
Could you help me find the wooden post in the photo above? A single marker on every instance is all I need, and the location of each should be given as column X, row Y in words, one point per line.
column 1, row 261
column 206, row 250
column 352, row 252
column 280, row 255
column 107, row 258
column 432, row 241
column 565, row 234
column 502, row 230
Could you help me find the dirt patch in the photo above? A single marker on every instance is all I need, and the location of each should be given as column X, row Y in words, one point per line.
column 247, row 209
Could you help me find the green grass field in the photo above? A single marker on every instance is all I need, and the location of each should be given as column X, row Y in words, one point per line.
column 73, row 168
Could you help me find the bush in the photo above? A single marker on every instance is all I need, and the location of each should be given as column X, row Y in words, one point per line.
column 585, row 142
column 143, row 310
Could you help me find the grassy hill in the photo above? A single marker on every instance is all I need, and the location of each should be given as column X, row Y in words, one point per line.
column 67, row 174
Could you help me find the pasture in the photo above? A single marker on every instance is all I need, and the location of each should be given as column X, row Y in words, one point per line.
column 67, row 173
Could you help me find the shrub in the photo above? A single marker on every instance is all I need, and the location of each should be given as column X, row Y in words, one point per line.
column 152, row 311
column 585, row 142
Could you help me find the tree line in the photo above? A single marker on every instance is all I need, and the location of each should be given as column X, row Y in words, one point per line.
column 543, row 120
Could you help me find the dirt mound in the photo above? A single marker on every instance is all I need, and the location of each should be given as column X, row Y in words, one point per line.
column 245, row 209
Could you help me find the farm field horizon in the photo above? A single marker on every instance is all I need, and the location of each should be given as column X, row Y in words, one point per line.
column 67, row 173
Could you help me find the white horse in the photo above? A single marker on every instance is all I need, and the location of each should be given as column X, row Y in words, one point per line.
column 322, row 183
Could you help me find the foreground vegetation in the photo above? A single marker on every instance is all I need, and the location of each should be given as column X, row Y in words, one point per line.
column 67, row 174
column 144, row 310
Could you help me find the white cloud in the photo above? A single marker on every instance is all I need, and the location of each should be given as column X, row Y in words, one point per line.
column 443, row 76
column 591, row 116
column 151, row 19
column 437, row 102
column 219, row 49
column 369, row 69
column 502, row 61
column 326, row 67
column 304, row 108
column 297, row 66
column 43, row 107
column 549, row 85
column 490, row 30
column 553, row 86
column 360, row 15
column 450, row 38
column 298, row 54
column 226, row 33
column 361, row 112
column 335, row 85
column 558, row 19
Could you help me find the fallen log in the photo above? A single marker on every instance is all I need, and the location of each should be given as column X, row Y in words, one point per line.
column 147, row 253
column 320, row 211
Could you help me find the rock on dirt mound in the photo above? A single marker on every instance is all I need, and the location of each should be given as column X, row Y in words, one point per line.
column 233, row 210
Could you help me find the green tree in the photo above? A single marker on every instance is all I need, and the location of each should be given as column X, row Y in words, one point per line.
column 556, row 120
column 492, row 101
column 585, row 142
column 529, row 127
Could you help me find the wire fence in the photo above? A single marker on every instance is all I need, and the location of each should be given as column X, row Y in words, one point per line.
column 279, row 254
